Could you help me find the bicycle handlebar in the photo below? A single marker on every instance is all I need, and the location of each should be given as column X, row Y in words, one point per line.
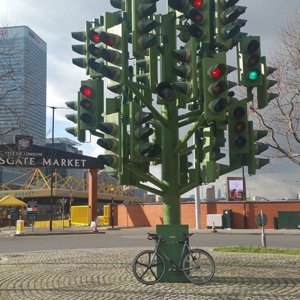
column 152, row 236
column 155, row 237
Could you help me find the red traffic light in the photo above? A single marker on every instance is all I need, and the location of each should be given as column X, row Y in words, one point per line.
column 86, row 91
column 109, row 39
column 218, row 71
column 94, row 37
column 197, row 3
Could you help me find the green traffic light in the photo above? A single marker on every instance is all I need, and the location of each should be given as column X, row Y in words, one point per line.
column 253, row 75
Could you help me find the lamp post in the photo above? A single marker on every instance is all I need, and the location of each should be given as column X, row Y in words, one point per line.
column 52, row 158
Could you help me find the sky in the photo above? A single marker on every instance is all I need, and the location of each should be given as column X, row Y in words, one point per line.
column 54, row 21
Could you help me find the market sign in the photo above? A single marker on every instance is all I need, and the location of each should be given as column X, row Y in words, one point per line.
column 11, row 155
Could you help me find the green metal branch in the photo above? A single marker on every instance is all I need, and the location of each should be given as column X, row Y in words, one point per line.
column 196, row 125
column 135, row 89
column 146, row 176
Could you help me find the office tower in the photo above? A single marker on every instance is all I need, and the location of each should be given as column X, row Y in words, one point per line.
column 23, row 66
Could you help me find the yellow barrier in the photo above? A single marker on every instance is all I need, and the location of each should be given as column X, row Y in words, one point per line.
column 55, row 223
column 105, row 219
column 80, row 215
column 106, row 210
column 20, row 227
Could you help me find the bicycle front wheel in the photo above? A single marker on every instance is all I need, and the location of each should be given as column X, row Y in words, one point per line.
column 148, row 267
column 198, row 266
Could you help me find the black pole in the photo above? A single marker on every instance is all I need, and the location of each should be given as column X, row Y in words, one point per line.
column 51, row 182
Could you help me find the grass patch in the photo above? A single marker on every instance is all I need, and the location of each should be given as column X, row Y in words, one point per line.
column 253, row 249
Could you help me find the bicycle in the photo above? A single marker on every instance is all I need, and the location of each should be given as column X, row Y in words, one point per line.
column 196, row 264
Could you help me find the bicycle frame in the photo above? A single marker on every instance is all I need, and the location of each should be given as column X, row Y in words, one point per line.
column 184, row 248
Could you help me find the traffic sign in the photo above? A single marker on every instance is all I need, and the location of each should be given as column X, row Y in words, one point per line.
column 261, row 220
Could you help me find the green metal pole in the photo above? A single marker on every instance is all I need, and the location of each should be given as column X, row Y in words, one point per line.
column 170, row 135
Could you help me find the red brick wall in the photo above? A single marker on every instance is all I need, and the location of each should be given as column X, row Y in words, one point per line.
column 148, row 215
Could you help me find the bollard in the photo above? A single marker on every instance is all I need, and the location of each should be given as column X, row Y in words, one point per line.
column 19, row 227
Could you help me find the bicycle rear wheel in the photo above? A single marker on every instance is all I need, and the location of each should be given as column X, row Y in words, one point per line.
column 198, row 266
column 148, row 267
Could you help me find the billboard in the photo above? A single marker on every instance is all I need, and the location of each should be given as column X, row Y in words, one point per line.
column 236, row 189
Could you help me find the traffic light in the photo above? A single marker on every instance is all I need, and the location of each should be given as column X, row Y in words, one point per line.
column 199, row 14
column 141, row 149
column 238, row 132
column 91, row 104
column 109, row 60
column 146, row 71
column 215, row 86
column 249, row 61
column 228, row 25
column 210, row 169
column 143, row 24
column 186, row 70
column 81, row 49
column 112, row 141
column 218, row 129
column 165, row 93
column 263, row 96
column 119, row 4
column 75, row 131
column 253, row 162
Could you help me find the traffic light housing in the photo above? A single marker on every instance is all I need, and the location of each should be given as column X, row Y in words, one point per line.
column 210, row 169
column 215, row 87
column 141, row 129
column 74, row 117
column 143, row 24
column 186, row 70
column 227, row 23
column 249, row 61
column 111, row 141
column 200, row 16
column 263, row 95
column 110, row 61
column 82, row 36
column 252, row 161
column 91, row 104
column 238, row 132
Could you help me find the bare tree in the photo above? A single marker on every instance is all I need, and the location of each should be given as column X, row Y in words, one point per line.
column 281, row 116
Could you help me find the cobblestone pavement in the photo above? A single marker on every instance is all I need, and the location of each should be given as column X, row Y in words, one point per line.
column 106, row 274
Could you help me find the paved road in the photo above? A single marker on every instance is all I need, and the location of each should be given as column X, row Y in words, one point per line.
column 73, row 238
column 106, row 274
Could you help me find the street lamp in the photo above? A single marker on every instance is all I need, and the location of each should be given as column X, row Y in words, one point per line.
column 52, row 167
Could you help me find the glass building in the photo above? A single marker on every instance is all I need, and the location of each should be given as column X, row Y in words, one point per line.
column 23, row 74
column 23, row 69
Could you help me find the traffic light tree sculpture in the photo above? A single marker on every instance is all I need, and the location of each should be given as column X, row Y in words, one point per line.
column 162, row 89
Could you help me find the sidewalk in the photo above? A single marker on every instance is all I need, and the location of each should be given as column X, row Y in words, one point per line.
column 106, row 274
column 6, row 231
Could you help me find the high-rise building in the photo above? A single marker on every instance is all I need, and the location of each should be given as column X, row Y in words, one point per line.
column 23, row 68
